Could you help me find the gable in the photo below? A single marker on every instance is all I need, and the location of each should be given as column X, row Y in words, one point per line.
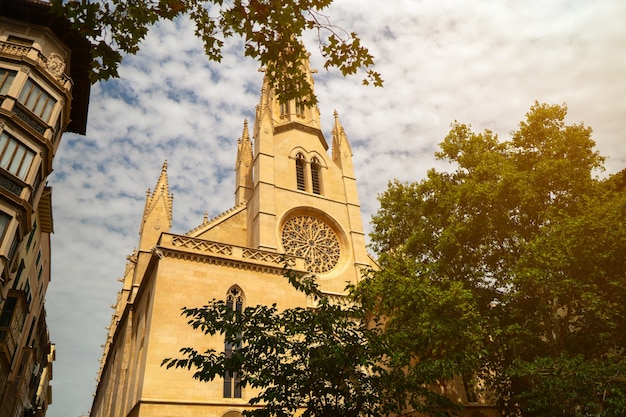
column 228, row 227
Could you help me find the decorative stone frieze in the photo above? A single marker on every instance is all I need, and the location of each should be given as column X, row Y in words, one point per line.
column 53, row 64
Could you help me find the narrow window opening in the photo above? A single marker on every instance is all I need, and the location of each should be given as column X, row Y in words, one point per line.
column 300, row 172
column 300, row 108
column 284, row 109
column 5, row 219
column 315, row 176
column 20, row 41
column 232, row 381
column 6, row 79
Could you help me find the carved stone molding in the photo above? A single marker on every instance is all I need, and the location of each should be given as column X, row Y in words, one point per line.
column 55, row 65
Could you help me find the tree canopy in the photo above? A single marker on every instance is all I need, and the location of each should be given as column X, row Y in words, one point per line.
column 329, row 360
column 529, row 247
column 508, row 271
column 271, row 31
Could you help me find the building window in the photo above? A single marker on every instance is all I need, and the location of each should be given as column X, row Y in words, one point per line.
column 20, row 269
column 6, row 316
column 14, row 244
column 300, row 108
column 315, row 176
column 300, row 162
column 28, row 293
column 30, row 332
column 284, row 109
column 6, row 79
column 5, row 219
column 14, row 156
column 20, row 41
column 31, row 235
column 232, row 382
column 37, row 100
column 12, row 321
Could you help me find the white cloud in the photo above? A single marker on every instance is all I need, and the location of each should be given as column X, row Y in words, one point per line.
column 483, row 62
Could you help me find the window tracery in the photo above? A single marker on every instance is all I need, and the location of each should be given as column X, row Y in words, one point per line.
column 232, row 382
column 312, row 239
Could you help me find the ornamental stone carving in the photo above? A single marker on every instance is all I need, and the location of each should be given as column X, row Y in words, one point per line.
column 55, row 65
column 312, row 239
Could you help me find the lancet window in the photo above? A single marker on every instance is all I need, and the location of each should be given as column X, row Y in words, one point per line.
column 315, row 176
column 284, row 109
column 300, row 164
column 232, row 381
column 300, row 108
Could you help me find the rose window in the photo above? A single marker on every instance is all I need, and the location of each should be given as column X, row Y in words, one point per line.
column 311, row 239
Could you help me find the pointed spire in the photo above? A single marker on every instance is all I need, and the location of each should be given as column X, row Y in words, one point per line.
column 291, row 111
column 245, row 135
column 244, row 146
column 162, row 188
column 342, row 152
column 157, row 212
column 243, row 166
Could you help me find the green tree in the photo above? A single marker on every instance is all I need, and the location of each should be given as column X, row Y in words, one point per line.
column 536, row 245
column 331, row 360
column 271, row 31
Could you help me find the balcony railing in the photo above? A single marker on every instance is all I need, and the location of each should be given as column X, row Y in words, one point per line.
column 30, row 120
column 10, row 185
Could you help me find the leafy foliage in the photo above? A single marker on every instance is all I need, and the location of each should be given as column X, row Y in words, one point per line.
column 332, row 360
column 533, row 247
column 270, row 29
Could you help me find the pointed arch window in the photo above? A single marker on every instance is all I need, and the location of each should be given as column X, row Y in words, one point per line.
column 232, row 381
column 315, row 176
column 300, row 163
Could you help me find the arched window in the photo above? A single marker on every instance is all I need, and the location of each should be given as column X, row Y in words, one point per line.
column 315, row 176
column 300, row 162
column 232, row 382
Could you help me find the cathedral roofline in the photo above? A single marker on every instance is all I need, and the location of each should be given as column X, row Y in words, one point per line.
column 214, row 221
column 201, row 250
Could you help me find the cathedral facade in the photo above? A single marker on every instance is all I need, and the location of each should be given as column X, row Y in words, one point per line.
column 295, row 199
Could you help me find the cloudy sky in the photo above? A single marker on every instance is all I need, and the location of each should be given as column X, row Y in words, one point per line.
column 480, row 62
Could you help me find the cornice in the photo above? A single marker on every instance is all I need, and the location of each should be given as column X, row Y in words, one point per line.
column 221, row 254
